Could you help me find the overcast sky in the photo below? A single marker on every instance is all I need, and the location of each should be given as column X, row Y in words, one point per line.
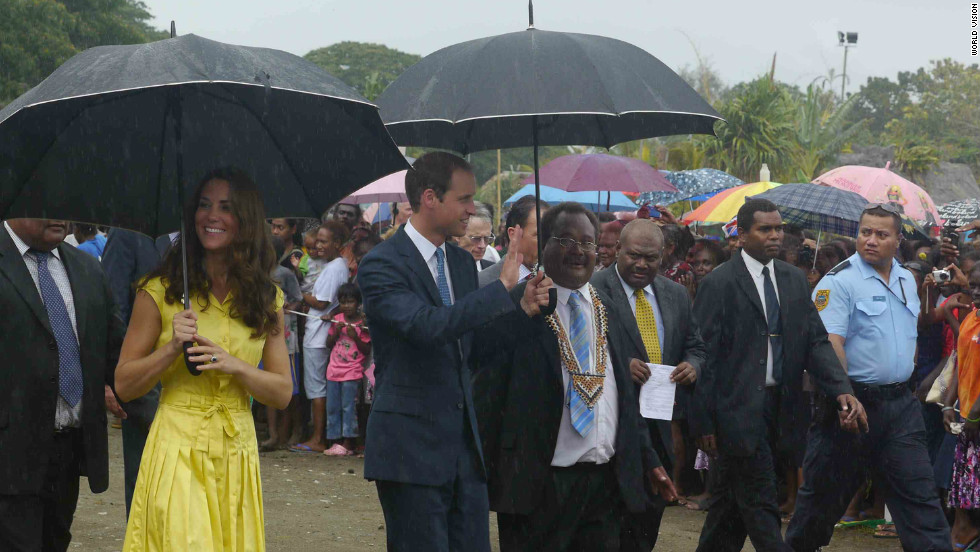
column 737, row 37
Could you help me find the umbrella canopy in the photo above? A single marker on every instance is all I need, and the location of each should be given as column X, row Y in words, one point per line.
column 109, row 135
column 959, row 213
column 692, row 185
column 879, row 185
column 377, row 213
column 591, row 200
column 725, row 205
column 569, row 88
column 602, row 172
column 818, row 208
column 386, row 189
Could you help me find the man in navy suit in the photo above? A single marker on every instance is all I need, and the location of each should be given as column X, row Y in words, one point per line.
column 422, row 302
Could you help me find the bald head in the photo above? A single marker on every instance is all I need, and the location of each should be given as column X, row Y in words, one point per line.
column 640, row 252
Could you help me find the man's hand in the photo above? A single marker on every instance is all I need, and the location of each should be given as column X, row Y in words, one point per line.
column 510, row 273
column 853, row 418
column 535, row 297
column 684, row 374
column 662, row 485
column 949, row 251
column 708, row 444
column 639, row 371
column 112, row 405
column 956, row 276
column 666, row 216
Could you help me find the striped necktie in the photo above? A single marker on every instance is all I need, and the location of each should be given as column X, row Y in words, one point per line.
column 582, row 416
column 646, row 320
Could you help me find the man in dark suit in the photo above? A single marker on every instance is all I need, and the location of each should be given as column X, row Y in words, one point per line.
column 522, row 231
column 761, row 332
column 422, row 303
column 669, row 335
column 566, row 448
column 61, row 338
column 127, row 257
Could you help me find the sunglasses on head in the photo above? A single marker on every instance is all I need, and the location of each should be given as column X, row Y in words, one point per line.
column 890, row 207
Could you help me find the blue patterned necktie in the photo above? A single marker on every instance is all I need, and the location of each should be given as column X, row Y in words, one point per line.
column 582, row 416
column 441, row 281
column 70, row 371
column 775, row 325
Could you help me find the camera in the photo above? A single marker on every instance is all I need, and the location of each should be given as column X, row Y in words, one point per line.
column 941, row 276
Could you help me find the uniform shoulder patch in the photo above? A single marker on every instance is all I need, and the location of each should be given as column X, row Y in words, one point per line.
column 822, row 299
column 839, row 267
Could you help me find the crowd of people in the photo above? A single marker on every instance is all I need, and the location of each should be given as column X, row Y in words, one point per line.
column 481, row 366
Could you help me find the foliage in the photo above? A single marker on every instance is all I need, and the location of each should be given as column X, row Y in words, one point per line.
column 822, row 130
column 367, row 67
column 36, row 36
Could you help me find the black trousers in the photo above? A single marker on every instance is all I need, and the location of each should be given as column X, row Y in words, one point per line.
column 894, row 451
column 581, row 512
column 42, row 522
column 744, row 496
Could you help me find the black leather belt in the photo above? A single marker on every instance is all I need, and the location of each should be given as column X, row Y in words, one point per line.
column 66, row 431
column 867, row 393
column 584, row 467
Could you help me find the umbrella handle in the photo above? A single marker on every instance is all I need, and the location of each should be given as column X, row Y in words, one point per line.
column 191, row 366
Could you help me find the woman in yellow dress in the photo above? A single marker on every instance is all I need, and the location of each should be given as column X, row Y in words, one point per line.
column 199, row 487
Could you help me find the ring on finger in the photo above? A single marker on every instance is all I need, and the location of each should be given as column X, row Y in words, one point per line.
column 214, row 359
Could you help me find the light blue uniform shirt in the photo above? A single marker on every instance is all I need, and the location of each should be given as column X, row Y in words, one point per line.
column 878, row 321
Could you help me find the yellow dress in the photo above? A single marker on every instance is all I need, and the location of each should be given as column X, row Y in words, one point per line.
column 199, row 487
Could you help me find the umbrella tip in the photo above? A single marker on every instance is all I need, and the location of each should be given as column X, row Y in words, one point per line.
column 530, row 14
column 173, row 29
column 888, row 165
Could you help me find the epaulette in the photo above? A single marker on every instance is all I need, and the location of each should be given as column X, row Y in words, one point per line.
column 839, row 267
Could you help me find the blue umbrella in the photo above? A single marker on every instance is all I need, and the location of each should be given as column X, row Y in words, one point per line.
column 383, row 214
column 691, row 186
column 818, row 208
column 591, row 200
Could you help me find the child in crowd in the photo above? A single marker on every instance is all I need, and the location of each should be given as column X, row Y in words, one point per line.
column 311, row 264
column 350, row 340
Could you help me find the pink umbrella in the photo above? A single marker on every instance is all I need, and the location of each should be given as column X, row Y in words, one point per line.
column 387, row 189
column 602, row 172
column 883, row 186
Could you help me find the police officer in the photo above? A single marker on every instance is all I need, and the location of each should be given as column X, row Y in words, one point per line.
column 870, row 305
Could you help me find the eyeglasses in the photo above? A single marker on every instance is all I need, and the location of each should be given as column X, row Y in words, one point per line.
column 484, row 239
column 890, row 207
column 587, row 247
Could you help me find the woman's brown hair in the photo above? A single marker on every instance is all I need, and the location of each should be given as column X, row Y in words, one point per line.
column 251, row 258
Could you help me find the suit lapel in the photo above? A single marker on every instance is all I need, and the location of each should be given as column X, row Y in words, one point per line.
column 621, row 303
column 415, row 262
column 745, row 281
column 458, row 272
column 13, row 267
column 79, row 295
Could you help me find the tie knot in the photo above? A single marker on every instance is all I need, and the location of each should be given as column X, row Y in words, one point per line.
column 576, row 300
column 40, row 256
column 765, row 271
column 440, row 254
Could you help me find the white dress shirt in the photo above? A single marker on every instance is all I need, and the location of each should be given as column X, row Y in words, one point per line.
column 755, row 269
column 599, row 445
column 651, row 298
column 65, row 414
column 428, row 251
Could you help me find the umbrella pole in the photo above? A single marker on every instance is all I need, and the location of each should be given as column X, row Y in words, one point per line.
column 815, row 253
column 608, row 199
column 177, row 112
column 537, row 184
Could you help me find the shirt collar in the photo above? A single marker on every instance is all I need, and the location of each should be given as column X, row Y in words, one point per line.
column 755, row 267
column 630, row 290
column 564, row 293
column 425, row 247
column 868, row 271
column 23, row 247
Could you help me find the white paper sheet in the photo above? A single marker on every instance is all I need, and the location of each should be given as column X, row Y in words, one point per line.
column 657, row 394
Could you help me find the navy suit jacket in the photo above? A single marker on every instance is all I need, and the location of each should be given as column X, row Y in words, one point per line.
column 423, row 399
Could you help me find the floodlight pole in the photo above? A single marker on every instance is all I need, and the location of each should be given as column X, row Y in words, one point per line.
column 843, row 80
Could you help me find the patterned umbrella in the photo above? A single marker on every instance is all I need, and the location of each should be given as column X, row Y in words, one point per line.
column 958, row 213
column 883, row 186
column 690, row 184
column 818, row 208
column 723, row 206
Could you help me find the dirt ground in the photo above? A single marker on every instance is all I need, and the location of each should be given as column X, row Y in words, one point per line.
column 317, row 503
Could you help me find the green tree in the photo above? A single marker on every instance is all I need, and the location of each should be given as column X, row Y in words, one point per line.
column 36, row 36
column 369, row 68
column 822, row 130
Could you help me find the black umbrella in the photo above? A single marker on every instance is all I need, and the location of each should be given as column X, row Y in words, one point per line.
column 119, row 134
column 536, row 87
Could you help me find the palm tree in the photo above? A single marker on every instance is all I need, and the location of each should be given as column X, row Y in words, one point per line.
column 822, row 131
